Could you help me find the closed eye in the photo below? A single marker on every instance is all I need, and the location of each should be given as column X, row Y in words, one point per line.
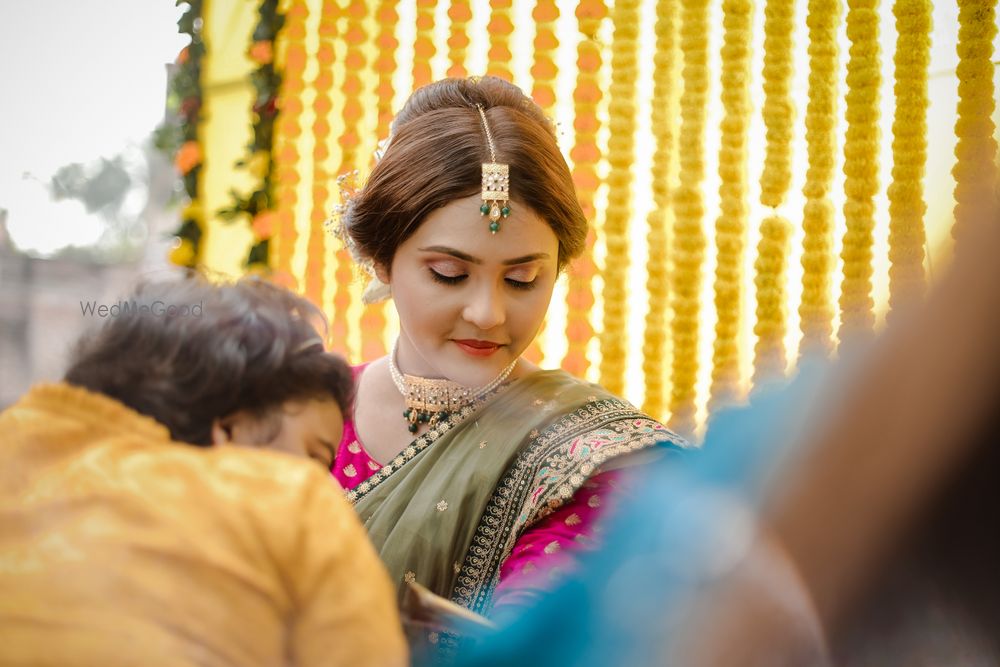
column 446, row 280
column 520, row 284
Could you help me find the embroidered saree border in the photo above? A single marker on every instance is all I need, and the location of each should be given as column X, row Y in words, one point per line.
column 414, row 448
column 545, row 475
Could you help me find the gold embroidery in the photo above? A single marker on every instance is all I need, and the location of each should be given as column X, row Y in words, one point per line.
column 354, row 447
column 442, row 506
column 594, row 501
column 433, row 637
column 537, row 402
column 552, row 547
column 418, row 445
column 351, row 471
column 457, row 567
column 410, row 577
column 373, row 466
column 573, row 519
column 482, row 445
column 524, row 494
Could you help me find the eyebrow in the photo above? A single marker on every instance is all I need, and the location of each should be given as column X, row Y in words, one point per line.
column 458, row 254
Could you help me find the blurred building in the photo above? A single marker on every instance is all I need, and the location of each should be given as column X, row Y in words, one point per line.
column 43, row 300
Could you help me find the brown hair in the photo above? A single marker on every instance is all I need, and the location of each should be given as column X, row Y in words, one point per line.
column 188, row 352
column 438, row 144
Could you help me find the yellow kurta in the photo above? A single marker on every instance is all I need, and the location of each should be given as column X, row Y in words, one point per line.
column 121, row 547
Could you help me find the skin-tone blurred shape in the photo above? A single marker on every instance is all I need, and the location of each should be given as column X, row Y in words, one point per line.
column 310, row 427
column 886, row 443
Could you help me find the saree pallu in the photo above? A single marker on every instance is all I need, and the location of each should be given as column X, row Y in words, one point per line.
column 447, row 511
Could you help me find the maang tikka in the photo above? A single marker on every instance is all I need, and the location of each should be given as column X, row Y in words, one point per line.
column 496, row 182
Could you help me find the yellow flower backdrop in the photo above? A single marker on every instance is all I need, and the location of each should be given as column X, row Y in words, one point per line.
column 746, row 166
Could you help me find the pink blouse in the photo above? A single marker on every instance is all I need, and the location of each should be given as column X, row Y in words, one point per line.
column 544, row 552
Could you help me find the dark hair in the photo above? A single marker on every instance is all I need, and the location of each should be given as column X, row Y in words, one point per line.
column 188, row 352
column 438, row 144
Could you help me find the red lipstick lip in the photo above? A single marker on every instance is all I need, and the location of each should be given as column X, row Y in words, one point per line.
column 477, row 348
column 475, row 342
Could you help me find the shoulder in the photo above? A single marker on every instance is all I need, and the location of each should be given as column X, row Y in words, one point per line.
column 258, row 487
column 582, row 438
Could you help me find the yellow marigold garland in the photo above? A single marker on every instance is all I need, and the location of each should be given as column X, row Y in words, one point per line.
column 500, row 29
column 373, row 317
column 544, row 73
column 976, row 149
column 586, row 156
column 621, row 155
column 423, row 45
column 460, row 13
column 689, row 237
column 322, row 105
column 909, row 152
column 544, row 70
column 861, row 150
column 664, row 86
column 772, row 258
column 355, row 62
column 288, row 131
column 769, row 357
column 816, row 308
column 778, row 109
column 730, row 227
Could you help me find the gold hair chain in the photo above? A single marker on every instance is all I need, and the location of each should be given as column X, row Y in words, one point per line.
column 496, row 182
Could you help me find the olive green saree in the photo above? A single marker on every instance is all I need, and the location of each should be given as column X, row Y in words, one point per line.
column 447, row 511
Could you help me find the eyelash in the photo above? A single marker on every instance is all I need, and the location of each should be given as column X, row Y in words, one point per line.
column 454, row 280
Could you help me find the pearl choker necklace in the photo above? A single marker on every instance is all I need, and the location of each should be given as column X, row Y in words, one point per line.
column 429, row 401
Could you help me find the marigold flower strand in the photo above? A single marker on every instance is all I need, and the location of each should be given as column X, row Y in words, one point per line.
column 586, row 156
column 322, row 105
column 423, row 44
column 288, row 131
column 975, row 168
column 861, row 151
column 689, row 237
column 816, row 307
column 544, row 70
column 355, row 62
column 772, row 258
column 460, row 13
column 373, row 321
column 769, row 352
column 909, row 153
column 500, row 29
column 665, row 85
column 730, row 227
column 621, row 155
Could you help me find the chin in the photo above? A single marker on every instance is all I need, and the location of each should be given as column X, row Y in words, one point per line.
column 473, row 371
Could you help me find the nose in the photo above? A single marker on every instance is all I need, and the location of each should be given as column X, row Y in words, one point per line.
column 486, row 308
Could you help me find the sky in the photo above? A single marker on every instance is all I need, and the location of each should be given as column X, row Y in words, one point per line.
column 81, row 80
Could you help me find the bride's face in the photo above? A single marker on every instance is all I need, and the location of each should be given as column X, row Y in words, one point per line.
column 469, row 301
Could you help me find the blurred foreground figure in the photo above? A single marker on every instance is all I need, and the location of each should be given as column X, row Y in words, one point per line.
column 127, row 538
column 848, row 519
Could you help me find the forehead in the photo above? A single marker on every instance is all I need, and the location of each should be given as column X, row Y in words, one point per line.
column 317, row 415
column 461, row 226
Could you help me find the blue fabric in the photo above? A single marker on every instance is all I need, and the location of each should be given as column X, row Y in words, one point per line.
column 675, row 531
